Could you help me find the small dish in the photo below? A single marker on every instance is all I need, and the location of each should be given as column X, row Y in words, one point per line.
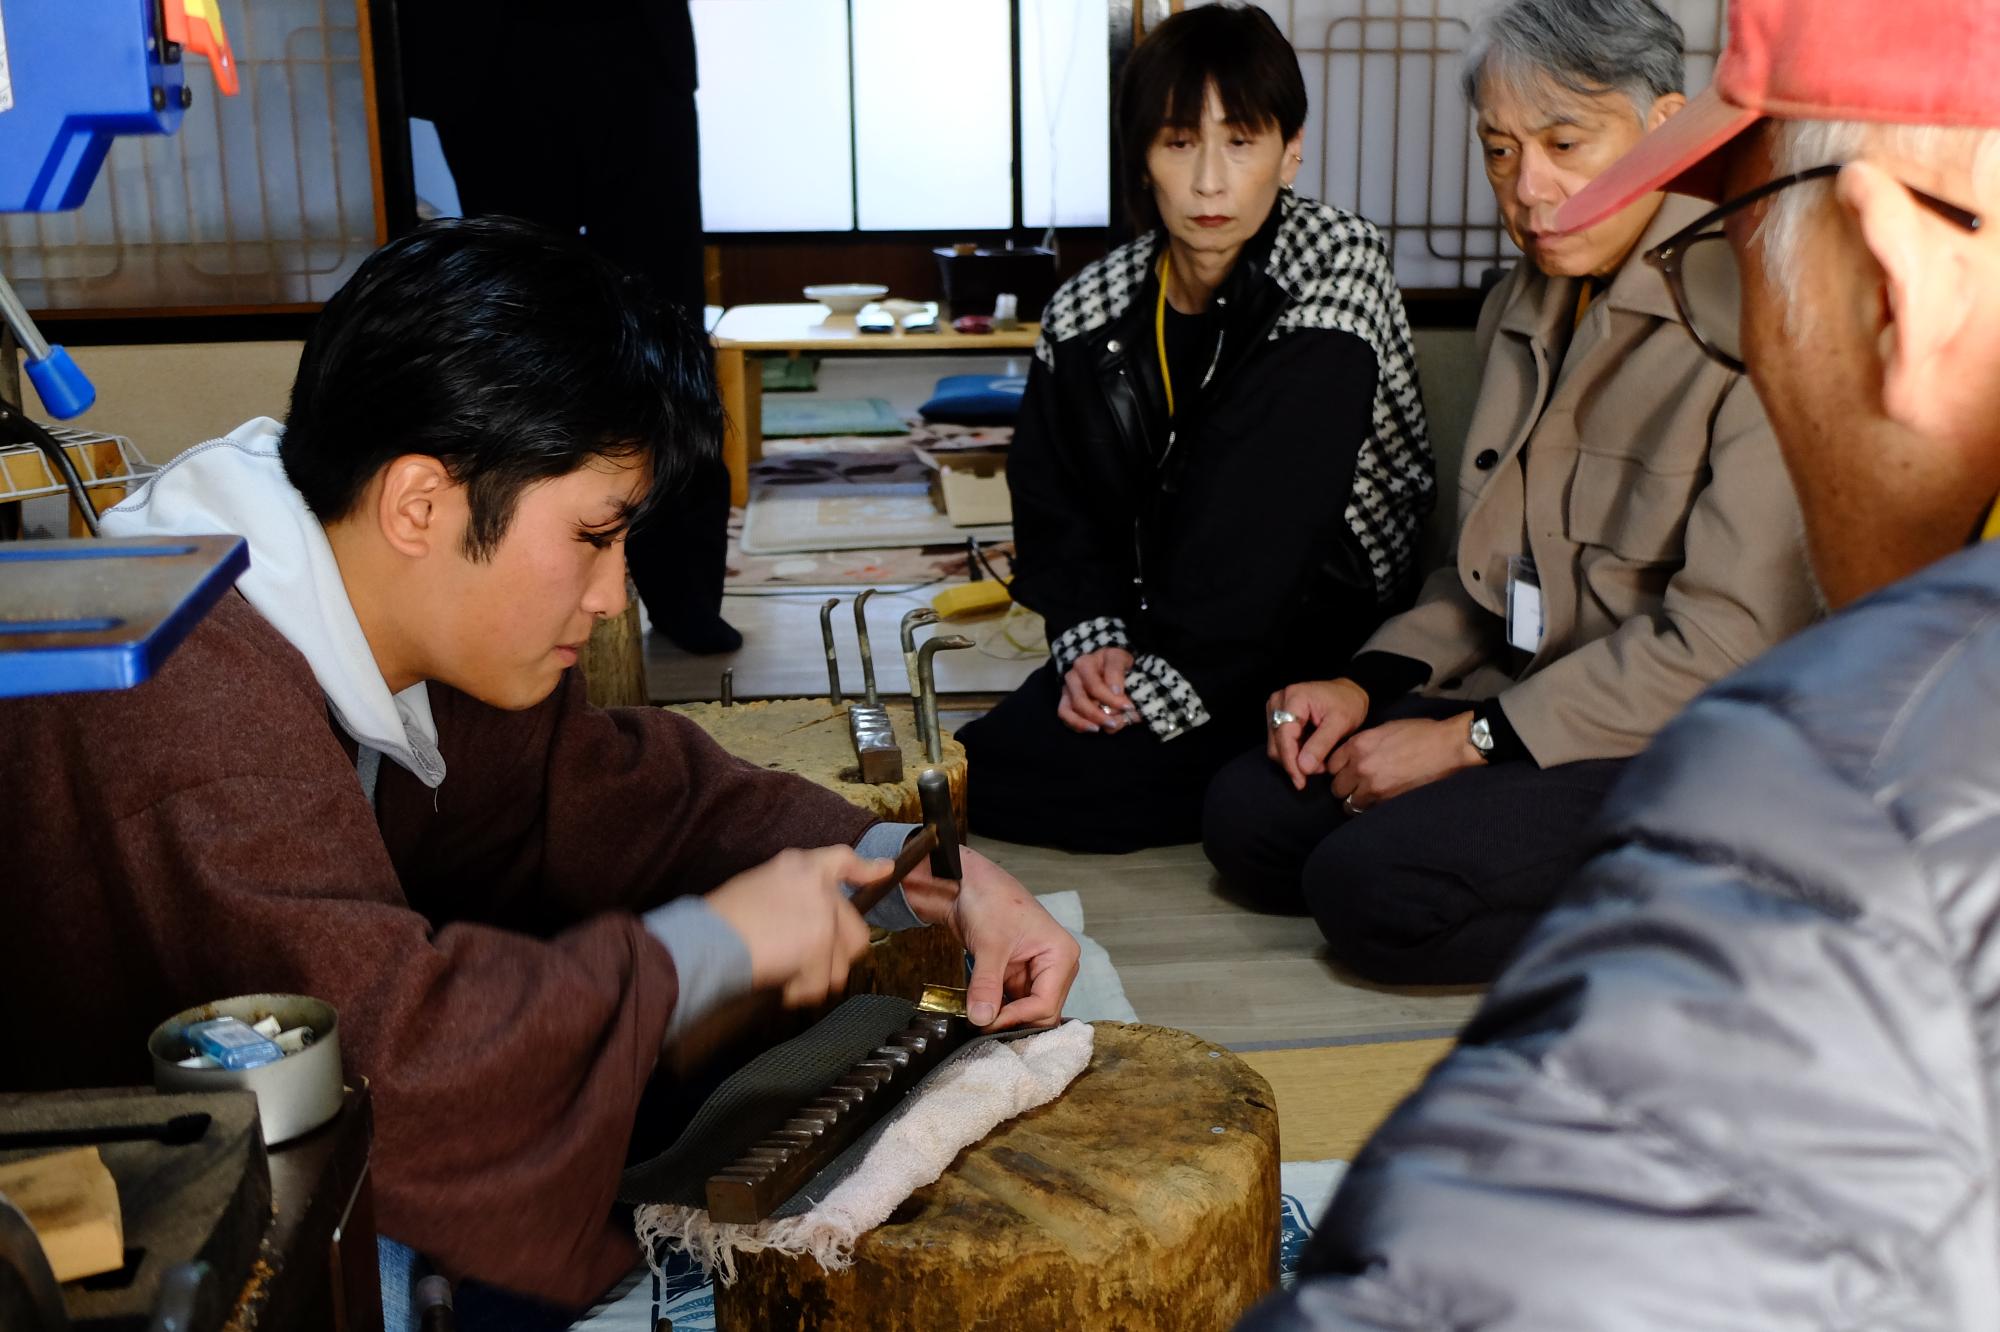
column 846, row 298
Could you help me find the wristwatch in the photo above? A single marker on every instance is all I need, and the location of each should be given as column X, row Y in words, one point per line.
column 1481, row 737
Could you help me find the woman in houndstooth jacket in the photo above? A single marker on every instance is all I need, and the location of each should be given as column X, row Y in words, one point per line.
column 1221, row 467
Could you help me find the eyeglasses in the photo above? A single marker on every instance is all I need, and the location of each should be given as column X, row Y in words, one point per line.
column 1707, row 285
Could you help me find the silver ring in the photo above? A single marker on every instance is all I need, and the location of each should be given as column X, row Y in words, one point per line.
column 1348, row 802
column 1279, row 717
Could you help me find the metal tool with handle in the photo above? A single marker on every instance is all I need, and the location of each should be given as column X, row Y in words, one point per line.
column 832, row 653
column 868, row 722
column 922, row 615
column 927, row 687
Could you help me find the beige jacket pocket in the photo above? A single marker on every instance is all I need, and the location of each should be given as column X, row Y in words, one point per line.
column 1639, row 514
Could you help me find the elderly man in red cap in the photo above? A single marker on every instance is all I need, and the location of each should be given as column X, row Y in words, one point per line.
column 1744, row 1075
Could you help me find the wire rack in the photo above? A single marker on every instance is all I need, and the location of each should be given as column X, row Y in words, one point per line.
column 266, row 198
column 25, row 474
column 1388, row 133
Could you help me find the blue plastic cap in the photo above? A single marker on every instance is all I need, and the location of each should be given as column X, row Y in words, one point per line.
column 64, row 389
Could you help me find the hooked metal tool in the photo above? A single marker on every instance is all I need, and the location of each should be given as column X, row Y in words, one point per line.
column 868, row 722
column 922, row 615
column 832, row 654
column 927, row 687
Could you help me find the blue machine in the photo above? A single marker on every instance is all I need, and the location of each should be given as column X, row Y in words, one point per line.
column 103, row 614
column 84, row 72
column 75, row 74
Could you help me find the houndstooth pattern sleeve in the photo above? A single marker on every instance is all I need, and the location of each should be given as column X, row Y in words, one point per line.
column 1165, row 701
column 1336, row 267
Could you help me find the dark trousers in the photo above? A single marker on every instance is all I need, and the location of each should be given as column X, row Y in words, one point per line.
column 1032, row 779
column 1434, row 887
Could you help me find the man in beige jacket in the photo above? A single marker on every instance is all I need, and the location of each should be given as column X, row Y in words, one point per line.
column 1628, row 536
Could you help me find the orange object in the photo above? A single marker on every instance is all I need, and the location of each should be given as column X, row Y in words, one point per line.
column 196, row 25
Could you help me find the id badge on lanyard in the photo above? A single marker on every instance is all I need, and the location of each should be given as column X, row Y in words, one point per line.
column 1524, row 605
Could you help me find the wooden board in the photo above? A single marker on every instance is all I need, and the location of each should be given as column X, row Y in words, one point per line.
column 805, row 327
column 1145, row 1199
column 72, row 1202
column 1332, row 1098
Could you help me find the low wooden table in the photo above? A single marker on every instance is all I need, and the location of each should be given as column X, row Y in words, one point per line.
column 799, row 329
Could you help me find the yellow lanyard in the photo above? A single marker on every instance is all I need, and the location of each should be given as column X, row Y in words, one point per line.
column 1160, row 334
column 1992, row 523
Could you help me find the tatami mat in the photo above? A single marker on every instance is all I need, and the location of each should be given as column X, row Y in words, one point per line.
column 1190, row 957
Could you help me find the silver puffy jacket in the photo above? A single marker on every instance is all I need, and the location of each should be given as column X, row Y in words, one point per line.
column 1745, row 1075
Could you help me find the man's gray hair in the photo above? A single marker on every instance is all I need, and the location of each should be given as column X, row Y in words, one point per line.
column 1588, row 47
column 1801, row 145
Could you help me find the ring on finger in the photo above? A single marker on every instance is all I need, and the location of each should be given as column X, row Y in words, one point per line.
column 1280, row 717
column 1347, row 803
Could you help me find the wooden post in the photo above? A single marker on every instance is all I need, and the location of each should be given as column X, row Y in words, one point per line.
column 740, row 380
column 614, row 661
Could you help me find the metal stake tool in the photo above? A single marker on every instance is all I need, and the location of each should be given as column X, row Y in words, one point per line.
column 832, row 655
column 868, row 724
column 922, row 615
column 927, row 683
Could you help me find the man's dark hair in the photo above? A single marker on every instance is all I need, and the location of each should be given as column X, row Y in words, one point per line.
column 1239, row 50
column 509, row 353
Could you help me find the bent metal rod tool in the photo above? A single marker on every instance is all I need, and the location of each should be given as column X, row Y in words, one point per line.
column 927, row 685
column 922, row 615
column 868, row 723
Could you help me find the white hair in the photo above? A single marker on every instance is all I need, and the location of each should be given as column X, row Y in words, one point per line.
column 1801, row 145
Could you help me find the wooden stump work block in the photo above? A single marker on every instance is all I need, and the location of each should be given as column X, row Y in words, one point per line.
column 1145, row 1199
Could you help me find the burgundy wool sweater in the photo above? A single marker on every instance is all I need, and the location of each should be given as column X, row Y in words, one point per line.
column 205, row 835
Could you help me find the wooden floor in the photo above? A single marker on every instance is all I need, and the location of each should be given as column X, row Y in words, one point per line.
column 1191, row 958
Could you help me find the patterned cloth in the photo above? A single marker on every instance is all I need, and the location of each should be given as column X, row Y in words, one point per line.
column 1166, row 701
column 1335, row 268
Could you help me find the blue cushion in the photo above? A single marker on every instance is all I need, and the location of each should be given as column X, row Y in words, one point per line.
column 976, row 400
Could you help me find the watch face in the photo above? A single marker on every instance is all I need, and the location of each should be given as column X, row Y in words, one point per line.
column 1482, row 736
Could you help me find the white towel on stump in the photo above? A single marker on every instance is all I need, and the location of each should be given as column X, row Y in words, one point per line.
column 960, row 1105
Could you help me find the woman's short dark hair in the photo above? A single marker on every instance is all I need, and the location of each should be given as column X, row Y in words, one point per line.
column 509, row 353
column 1239, row 50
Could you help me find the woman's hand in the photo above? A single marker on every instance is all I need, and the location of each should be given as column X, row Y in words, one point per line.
column 1093, row 696
column 1387, row 760
column 1324, row 712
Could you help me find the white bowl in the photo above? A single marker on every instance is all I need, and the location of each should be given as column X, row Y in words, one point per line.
column 846, row 297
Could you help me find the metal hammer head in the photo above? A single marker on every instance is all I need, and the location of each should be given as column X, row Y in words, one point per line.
column 927, row 686
column 832, row 654
column 934, row 791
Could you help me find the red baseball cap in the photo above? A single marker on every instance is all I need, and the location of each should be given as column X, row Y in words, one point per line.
column 1911, row 62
